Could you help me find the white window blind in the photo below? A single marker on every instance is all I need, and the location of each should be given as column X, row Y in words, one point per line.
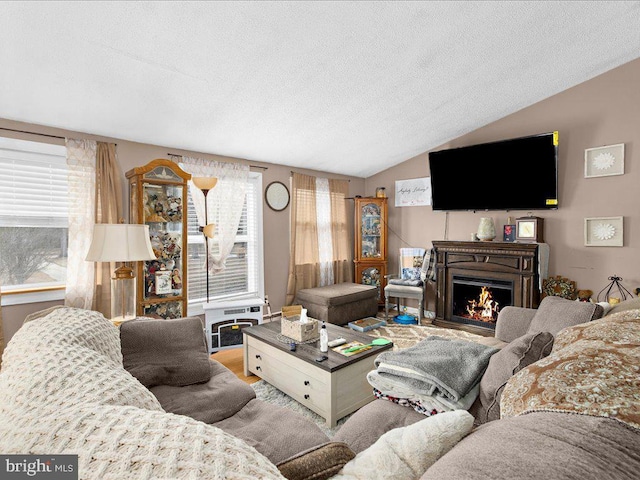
column 243, row 275
column 33, row 184
column 33, row 214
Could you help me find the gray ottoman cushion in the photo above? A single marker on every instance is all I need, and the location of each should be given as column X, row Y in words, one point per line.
column 340, row 303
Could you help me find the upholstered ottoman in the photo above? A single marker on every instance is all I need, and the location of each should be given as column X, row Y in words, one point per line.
column 340, row 303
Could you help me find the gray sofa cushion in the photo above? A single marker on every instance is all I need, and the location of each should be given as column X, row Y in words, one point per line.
column 222, row 396
column 165, row 352
column 549, row 445
column 373, row 420
column 503, row 365
column 276, row 432
column 556, row 313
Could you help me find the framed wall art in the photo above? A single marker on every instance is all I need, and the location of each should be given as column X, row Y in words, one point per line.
column 413, row 192
column 603, row 232
column 604, row 161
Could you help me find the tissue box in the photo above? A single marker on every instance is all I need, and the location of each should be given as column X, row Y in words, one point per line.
column 292, row 327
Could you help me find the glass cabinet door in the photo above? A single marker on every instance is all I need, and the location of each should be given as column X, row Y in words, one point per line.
column 163, row 214
column 371, row 241
column 370, row 220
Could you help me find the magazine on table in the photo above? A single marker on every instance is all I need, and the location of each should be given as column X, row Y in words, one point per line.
column 342, row 349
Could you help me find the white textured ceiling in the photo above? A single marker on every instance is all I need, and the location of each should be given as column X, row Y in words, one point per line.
column 342, row 87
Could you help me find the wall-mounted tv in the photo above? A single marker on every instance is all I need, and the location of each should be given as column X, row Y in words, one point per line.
column 515, row 174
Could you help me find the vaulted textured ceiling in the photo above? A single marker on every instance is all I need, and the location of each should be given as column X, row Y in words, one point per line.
column 342, row 87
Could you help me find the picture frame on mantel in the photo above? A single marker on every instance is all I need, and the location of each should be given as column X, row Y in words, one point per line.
column 604, row 161
column 604, row 231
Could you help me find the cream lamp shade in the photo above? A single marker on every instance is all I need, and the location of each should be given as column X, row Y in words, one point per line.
column 204, row 183
column 120, row 242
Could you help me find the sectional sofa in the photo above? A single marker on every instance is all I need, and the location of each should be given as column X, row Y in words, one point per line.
column 71, row 383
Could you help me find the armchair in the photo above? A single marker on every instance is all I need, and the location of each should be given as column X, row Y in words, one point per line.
column 414, row 272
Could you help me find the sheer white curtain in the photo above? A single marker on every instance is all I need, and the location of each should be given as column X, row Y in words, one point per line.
column 224, row 203
column 325, row 244
column 81, row 161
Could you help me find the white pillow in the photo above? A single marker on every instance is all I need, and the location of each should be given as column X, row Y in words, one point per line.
column 406, row 453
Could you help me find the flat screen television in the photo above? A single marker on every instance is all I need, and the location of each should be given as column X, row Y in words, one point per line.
column 515, row 174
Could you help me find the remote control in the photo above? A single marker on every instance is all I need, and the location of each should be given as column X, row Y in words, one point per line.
column 322, row 358
column 336, row 342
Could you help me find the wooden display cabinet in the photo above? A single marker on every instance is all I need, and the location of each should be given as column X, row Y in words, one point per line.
column 158, row 194
column 371, row 242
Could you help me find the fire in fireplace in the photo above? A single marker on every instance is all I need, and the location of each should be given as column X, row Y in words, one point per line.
column 478, row 301
column 485, row 308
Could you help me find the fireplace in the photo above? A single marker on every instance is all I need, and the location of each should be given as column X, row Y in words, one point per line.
column 508, row 273
column 477, row 302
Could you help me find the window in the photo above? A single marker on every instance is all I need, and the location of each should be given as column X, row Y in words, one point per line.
column 33, row 215
column 243, row 276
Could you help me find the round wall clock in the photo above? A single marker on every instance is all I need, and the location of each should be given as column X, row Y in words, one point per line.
column 277, row 196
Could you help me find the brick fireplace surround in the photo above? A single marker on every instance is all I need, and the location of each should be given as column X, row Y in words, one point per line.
column 515, row 264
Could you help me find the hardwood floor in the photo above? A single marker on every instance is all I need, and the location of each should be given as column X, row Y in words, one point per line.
column 232, row 359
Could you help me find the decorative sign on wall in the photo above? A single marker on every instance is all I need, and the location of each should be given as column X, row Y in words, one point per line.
column 413, row 192
column 604, row 161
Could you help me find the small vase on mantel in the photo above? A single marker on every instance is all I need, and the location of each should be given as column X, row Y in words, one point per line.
column 486, row 229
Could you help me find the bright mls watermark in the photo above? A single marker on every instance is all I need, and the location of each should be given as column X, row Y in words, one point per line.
column 50, row 467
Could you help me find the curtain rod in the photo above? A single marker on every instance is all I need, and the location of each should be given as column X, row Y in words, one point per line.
column 33, row 133
column 250, row 166
column 36, row 133
column 348, row 179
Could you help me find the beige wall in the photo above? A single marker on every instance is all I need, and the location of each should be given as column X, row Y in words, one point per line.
column 601, row 111
column 131, row 154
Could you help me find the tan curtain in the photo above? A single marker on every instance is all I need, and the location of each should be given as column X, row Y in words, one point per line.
column 340, row 232
column 304, row 260
column 108, row 210
column 303, row 252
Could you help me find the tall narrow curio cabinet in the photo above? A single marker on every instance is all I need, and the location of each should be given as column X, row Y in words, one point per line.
column 158, row 194
column 371, row 242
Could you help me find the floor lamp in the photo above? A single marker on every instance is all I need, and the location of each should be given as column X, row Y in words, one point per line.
column 121, row 242
column 205, row 185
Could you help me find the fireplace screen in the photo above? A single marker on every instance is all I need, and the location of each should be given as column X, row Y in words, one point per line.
column 478, row 301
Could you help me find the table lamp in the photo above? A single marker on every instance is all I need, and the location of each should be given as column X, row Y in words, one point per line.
column 121, row 242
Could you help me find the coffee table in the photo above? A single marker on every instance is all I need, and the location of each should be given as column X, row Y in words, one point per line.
column 333, row 388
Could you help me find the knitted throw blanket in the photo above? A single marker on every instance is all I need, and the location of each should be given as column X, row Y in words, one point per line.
column 63, row 390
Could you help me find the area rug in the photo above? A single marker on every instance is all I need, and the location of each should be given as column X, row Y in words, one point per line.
column 405, row 336
column 402, row 336
column 270, row 394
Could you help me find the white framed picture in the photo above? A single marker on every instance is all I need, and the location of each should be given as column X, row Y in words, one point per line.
column 413, row 192
column 163, row 282
column 603, row 232
column 604, row 161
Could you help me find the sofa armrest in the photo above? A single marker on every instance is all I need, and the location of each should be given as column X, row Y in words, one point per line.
column 513, row 322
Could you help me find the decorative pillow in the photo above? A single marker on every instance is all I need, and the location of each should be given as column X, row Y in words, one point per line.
column 317, row 463
column 556, row 313
column 629, row 304
column 593, row 370
column 407, row 452
column 165, row 352
column 518, row 354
